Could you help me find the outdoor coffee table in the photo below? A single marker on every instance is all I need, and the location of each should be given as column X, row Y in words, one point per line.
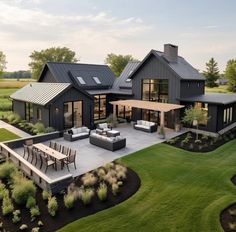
column 112, row 133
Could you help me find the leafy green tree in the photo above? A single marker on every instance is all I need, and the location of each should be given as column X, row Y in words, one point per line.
column 56, row 54
column 230, row 74
column 211, row 73
column 195, row 116
column 118, row 62
column 3, row 63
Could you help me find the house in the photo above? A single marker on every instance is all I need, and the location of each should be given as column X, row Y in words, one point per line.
column 79, row 94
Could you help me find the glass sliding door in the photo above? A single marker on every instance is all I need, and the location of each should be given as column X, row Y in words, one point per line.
column 72, row 114
column 100, row 107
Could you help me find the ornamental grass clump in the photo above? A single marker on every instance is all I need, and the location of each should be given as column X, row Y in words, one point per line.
column 45, row 195
column 69, row 201
column 115, row 188
column 102, row 192
column 52, row 206
column 34, row 212
column 7, row 205
column 23, row 227
column 16, row 216
column 31, row 202
column 108, row 166
column 22, row 190
column 101, row 173
column 86, row 196
column 89, row 179
column 73, row 190
column 111, row 177
column 2, row 190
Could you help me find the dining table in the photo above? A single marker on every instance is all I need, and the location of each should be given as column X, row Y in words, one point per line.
column 52, row 153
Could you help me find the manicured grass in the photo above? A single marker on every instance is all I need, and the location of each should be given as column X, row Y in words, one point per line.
column 219, row 89
column 6, row 135
column 180, row 191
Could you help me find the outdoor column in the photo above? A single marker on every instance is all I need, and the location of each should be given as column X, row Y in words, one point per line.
column 114, row 112
column 162, row 122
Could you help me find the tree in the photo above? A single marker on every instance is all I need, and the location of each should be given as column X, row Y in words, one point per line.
column 56, row 54
column 118, row 62
column 3, row 62
column 211, row 73
column 195, row 116
column 230, row 74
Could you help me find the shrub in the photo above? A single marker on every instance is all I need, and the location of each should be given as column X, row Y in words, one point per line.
column 197, row 141
column 35, row 229
column 22, row 190
column 102, row 192
column 121, row 175
column 23, row 227
column 205, row 137
column 38, row 128
column 16, row 216
column 2, row 190
column 34, row 212
column 7, row 170
column 110, row 178
column 185, row 141
column 115, row 188
column 69, row 201
column 40, row 223
column 89, row 179
column 45, row 195
column 101, row 173
column 171, row 141
column 49, row 129
column 189, row 136
column 31, row 202
column 86, row 196
column 13, row 118
column 7, row 206
column 52, row 206
column 73, row 190
column 108, row 166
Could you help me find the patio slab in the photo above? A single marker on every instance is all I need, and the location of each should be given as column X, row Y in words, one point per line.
column 90, row 157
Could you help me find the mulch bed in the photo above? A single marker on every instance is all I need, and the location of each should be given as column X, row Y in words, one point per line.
column 225, row 217
column 206, row 145
column 65, row 216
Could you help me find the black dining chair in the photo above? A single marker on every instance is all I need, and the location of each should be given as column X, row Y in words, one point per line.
column 70, row 159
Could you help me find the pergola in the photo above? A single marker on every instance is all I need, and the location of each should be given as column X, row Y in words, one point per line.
column 147, row 105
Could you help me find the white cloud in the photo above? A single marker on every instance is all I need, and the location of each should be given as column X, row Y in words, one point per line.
column 24, row 30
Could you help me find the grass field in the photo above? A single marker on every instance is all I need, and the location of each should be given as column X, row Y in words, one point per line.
column 180, row 192
column 219, row 89
column 6, row 135
column 13, row 83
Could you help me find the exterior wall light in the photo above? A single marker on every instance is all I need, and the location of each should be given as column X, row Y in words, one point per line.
column 57, row 110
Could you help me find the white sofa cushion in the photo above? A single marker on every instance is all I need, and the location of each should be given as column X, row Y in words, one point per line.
column 79, row 134
column 74, row 130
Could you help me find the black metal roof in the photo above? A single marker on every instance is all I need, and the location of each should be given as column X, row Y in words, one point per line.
column 214, row 98
column 182, row 68
column 63, row 72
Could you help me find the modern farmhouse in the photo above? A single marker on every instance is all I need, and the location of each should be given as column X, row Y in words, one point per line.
column 68, row 95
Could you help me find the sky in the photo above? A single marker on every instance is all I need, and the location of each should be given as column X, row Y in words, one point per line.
column 93, row 28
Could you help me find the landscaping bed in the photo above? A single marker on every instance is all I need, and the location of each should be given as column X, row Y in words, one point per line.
column 85, row 196
column 189, row 141
column 228, row 215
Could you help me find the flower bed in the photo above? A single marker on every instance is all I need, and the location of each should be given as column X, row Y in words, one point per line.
column 88, row 194
column 189, row 141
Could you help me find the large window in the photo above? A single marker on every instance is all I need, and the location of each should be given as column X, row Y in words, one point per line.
column 154, row 90
column 28, row 112
column 100, row 107
column 72, row 114
column 124, row 112
column 228, row 115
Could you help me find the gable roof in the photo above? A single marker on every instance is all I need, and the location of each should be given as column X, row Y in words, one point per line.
column 182, row 68
column 121, row 82
column 40, row 93
column 63, row 72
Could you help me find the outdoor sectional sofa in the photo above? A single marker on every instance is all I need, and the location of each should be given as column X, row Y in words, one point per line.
column 109, row 143
column 76, row 133
column 145, row 126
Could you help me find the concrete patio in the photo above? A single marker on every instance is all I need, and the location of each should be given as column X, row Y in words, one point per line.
column 90, row 157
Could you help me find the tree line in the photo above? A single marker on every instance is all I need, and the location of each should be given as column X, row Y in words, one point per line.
column 116, row 62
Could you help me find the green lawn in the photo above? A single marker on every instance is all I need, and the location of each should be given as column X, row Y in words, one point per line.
column 180, row 191
column 219, row 89
column 6, row 135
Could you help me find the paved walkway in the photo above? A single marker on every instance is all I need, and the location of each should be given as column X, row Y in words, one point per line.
column 13, row 129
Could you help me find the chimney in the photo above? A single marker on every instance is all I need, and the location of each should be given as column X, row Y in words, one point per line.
column 171, row 53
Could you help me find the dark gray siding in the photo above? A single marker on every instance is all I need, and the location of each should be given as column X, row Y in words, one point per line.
column 45, row 115
column 57, row 119
column 191, row 88
column 47, row 77
column 19, row 108
column 155, row 69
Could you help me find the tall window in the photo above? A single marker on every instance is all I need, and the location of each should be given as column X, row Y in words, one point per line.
column 28, row 111
column 100, row 107
column 72, row 114
column 228, row 115
column 39, row 114
column 154, row 90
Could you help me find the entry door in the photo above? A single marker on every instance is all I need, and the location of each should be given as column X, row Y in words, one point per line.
column 77, row 114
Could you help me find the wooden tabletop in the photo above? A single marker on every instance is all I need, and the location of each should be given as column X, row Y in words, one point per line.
column 49, row 151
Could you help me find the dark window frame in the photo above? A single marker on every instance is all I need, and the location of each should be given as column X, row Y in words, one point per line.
column 99, row 106
column 39, row 114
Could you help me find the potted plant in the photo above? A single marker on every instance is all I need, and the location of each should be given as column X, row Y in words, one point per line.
column 177, row 127
column 112, row 121
column 162, row 132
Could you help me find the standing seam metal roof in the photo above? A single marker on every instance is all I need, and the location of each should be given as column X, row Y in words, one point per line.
column 40, row 93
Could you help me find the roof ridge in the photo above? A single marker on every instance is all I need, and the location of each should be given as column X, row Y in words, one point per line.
column 56, row 62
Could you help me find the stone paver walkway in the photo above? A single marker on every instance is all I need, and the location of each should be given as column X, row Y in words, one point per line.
column 13, row 129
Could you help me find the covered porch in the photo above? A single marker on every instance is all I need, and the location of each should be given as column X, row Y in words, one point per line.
column 147, row 105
